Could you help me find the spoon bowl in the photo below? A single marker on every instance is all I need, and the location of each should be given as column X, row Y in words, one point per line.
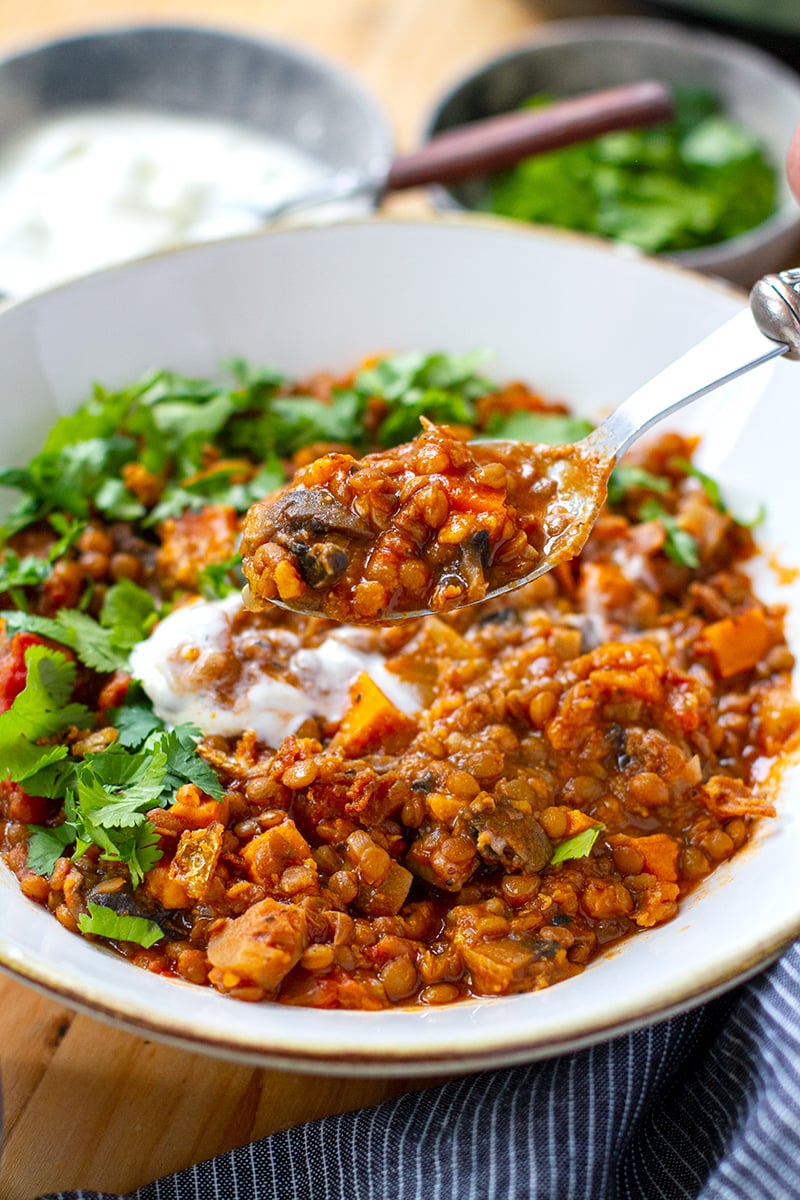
column 299, row 545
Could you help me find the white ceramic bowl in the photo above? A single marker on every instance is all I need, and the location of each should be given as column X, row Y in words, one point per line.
column 569, row 57
column 260, row 87
column 580, row 320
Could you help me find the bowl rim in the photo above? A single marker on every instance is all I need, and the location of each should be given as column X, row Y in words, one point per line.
column 657, row 31
column 338, row 73
column 392, row 1058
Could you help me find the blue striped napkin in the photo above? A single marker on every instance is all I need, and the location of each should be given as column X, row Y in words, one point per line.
column 704, row 1106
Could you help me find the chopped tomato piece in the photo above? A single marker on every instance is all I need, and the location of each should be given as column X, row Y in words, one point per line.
column 738, row 643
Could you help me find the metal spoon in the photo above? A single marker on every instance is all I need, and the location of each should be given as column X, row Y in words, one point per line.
column 479, row 148
column 767, row 329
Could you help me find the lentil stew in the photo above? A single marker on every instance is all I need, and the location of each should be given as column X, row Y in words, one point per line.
column 476, row 803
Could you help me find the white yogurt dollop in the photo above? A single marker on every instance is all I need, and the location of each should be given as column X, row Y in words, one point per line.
column 182, row 667
column 94, row 186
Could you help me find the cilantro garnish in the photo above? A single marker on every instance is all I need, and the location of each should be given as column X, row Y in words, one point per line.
column 107, row 797
column 695, row 181
column 32, row 569
column 709, row 485
column 577, row 846
column 46, row 846
column 714, row 492
column 115, row 788
column 127, row 615
column 17, row 573
column 625, row 478
column 680, row 545
column 441, row 387
column 134, row 720
column 41, row 710
column 552, row 429
column 105, row 922
column 167, row 423
column 184, row 764
column 220, row 579
column 66, row 480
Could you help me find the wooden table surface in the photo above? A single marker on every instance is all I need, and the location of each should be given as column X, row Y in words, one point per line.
column 80, row 1096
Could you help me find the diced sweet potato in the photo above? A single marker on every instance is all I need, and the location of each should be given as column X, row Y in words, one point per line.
column 737, row 643
column 191, row 541
column 261, row 946
column 578, row 821
column 496, row 967
column 270, row 853
column 169, row 892
column 196, row 858
column 659, row 851
column 196, row 810
column 371, row 720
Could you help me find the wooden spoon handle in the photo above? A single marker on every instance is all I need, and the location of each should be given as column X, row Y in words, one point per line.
column 496, row 142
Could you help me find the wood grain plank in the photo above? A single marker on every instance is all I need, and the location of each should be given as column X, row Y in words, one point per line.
column 31, row 1029
column 112, row 1111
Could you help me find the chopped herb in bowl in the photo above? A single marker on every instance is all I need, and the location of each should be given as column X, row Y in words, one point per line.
column 695, row 181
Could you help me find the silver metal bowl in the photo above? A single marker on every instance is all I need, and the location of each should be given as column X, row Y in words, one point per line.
column 780, row 15
column 260, row 85
column 568, row 57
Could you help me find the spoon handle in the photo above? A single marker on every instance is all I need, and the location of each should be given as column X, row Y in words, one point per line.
column 753, row 337
column 480, row 147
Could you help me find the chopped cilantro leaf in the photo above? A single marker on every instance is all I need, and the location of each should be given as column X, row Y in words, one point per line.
column 91, row 642
column 104, row 922
column 46, row 846
column 577, row 846
column 41, row 710
column 66, row 480
column 16, row 573
column 305, row 419
column 552, row 429
column 166, row 423
column 51, row 779
column 680, row 545
column 695, row 181
column 116, row 787
column 709, row 485
column 142, row 851
column 758, row 518
column 134, row 723
column 714, row 492
column 128, row 612
column 184, row 764
column 220, row 579
column 116, row 503
column 625, row 478
column 442, row 387
column 107, row 804
column 397, row 375
column 126, row 618
column 136, row 845
column 32, row 570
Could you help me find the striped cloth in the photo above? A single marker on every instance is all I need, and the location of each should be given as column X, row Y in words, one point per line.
column 704, row 1106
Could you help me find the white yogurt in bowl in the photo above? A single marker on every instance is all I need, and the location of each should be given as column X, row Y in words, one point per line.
column 92, row 186
column 185, row 669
